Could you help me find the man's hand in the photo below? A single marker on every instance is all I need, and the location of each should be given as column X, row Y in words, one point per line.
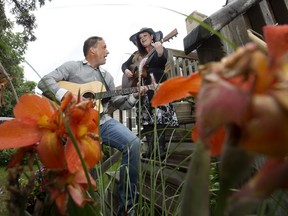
column 142, row 91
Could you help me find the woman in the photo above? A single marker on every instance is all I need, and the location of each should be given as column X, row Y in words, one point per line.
column 154, row 57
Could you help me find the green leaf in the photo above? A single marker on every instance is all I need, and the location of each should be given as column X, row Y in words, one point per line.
column 196, row 188
column 89, row 209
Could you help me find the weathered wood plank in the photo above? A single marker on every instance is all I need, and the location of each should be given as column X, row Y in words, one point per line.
column 217, row 21
column 280, row 8
column 259, row 16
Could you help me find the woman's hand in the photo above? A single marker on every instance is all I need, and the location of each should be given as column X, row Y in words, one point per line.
column 158, row 47
column 128, row 73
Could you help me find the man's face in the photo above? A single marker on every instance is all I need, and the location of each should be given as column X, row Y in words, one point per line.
column 101, row 52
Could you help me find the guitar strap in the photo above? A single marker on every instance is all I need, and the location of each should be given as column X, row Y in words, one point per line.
column 103, row 80
column 106, row 86
column 150, row 57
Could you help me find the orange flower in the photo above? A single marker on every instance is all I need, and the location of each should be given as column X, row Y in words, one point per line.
column 54, row 132
column 177, row 88
column 62, row 184
column 37, row 122
column 84, row 125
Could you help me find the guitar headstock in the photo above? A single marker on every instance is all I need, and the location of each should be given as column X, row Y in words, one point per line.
column 170, row 35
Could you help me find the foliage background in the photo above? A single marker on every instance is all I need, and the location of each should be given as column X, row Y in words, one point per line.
column 13, row 47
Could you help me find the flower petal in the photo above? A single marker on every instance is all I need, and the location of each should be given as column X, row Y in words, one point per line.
column 77, row 194
column 80, row 178
column 176, row 89
column 218, row 104
column 33, row 107
column 73, row 161
column 215, row 142
column 266, row 130
column 91, row 150
column 51, row 151
column 276, row 38
column 15, row 133
column 61, row 202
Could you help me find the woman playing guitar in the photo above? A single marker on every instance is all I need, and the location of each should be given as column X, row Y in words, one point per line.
column 153, row 57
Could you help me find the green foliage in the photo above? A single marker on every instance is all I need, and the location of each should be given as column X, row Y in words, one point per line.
column 5, row 156
column 214, row 184
column 22, row 10
column 10, row 101
column 3, row 192
column 12, row 49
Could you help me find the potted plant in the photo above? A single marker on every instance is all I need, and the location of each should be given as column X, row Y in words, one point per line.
column 185, row 110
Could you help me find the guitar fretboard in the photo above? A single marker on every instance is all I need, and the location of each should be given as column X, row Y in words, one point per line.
column 112, row 93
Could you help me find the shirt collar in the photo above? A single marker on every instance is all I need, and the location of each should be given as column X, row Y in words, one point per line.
column 85, row 62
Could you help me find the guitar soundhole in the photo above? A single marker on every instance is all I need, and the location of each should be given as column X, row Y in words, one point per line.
column 89, row 95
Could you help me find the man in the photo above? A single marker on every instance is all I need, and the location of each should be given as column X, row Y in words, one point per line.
column 112, row 132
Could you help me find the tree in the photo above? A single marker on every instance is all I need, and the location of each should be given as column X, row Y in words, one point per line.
column 13, row 46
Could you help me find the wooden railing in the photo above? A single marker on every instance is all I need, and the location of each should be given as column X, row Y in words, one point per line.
column 181, row 64
column 233, row 21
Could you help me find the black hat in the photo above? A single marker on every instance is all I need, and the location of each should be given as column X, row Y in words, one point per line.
column 157, row 35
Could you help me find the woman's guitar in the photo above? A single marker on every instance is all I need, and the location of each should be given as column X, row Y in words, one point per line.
column 96, row 91
column 132, row 82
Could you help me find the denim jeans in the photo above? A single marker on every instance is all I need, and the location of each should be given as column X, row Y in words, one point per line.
column 116, row 135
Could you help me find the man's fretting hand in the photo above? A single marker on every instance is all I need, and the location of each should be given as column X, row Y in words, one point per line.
column 142, row 91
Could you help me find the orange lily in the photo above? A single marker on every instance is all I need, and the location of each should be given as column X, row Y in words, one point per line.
column 40, row 123
column 63, row 183
column 36, row 122
column 177, row 88
column 84, row 125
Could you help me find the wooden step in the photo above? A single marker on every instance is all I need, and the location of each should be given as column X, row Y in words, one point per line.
column 165, row 196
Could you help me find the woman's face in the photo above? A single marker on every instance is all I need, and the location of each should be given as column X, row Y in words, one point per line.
column 145, row 39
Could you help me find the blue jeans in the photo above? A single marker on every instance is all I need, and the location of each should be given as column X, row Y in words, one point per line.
column 116, row 135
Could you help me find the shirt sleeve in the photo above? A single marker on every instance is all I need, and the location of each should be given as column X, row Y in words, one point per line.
column 49, row 83
column 128, row 63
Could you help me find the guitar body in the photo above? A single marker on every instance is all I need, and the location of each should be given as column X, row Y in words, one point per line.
column 87, row 90
column 128, row 82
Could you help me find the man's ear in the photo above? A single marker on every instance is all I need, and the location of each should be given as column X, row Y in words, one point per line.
column 92, row 50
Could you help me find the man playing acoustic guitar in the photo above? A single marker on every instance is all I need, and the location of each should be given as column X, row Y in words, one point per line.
column 112, row 132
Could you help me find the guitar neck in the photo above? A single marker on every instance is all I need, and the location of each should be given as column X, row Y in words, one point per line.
column 112, row 93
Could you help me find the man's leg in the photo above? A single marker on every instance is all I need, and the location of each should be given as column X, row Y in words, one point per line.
column 116, row 135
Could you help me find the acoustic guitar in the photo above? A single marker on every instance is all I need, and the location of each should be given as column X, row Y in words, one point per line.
column 135, row 67
column 96, row 91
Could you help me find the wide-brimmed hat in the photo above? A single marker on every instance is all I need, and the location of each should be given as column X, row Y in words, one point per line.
column 157, row 35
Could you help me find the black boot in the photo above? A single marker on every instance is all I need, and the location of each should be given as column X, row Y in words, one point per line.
column 150, row 144
column 162, row 144
column 149, row 134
